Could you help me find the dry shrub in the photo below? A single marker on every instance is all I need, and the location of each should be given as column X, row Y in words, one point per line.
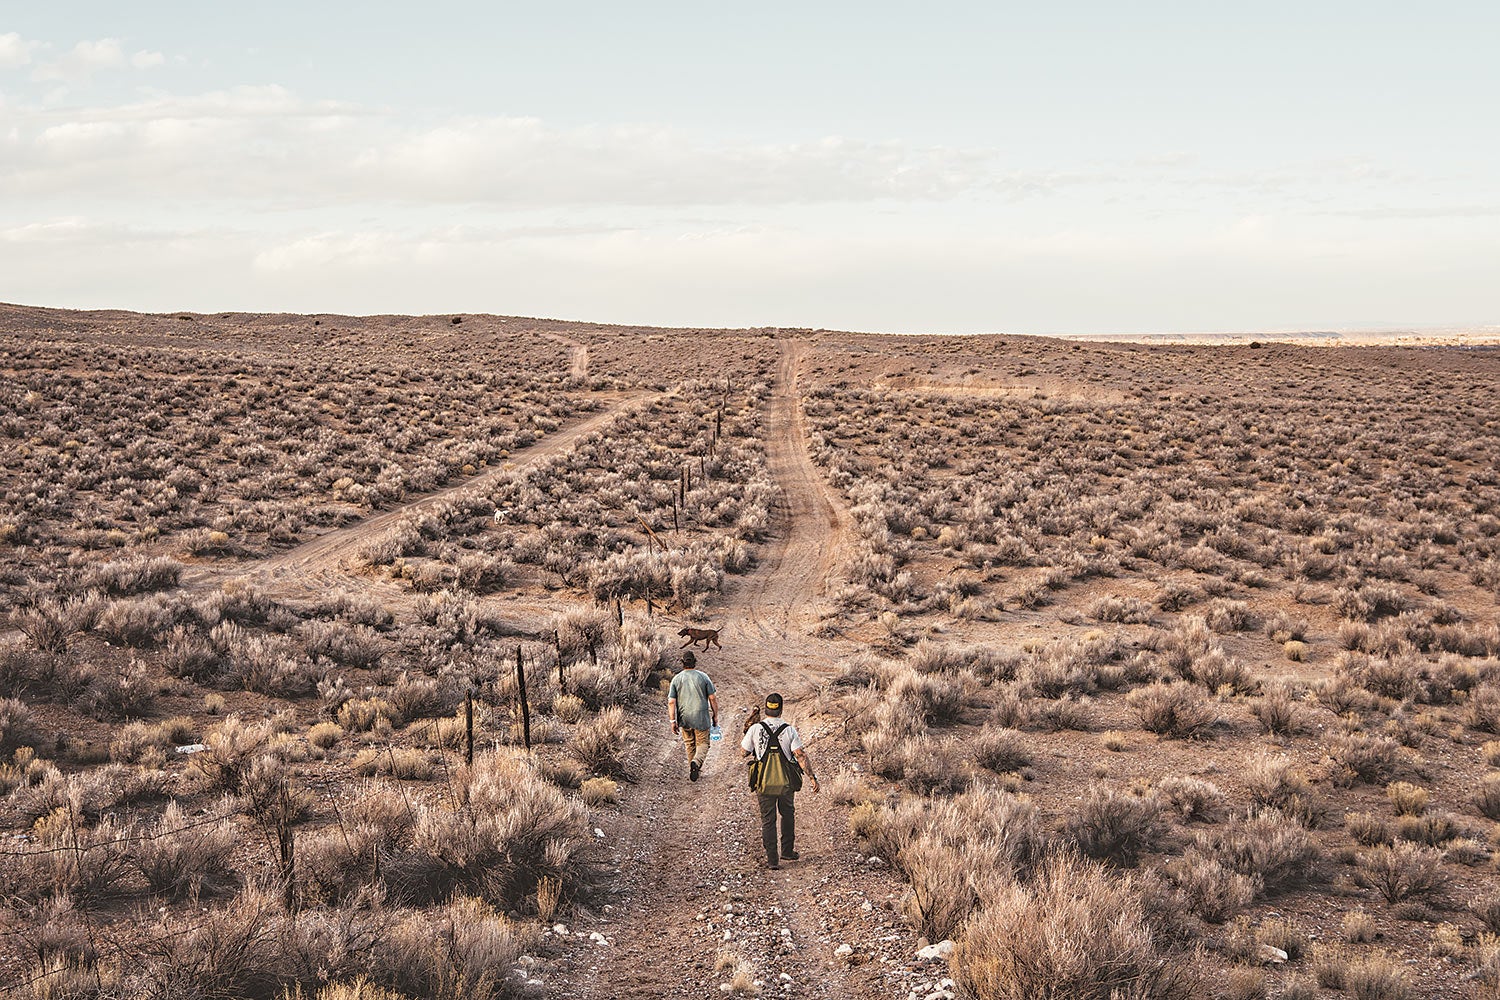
column 15, row 724
column 1406, row 799
column 66, row 856
column 1213, row 891
column 231, row 749
column 364, row 714
column 1223, row 615
column 1364, row 757
column 1404, row 871
column 1244, row 984
column 597, row 744
column 1358, row 927
column 1001, row 750
column 1483, row 711
column 1125, row 610
column 1267, row 846
column 1487, row 796
column 1076, row 931
column 1275, row 780
column 930, row 766
column 463, row 951
column 324, row 735
column 1487, row 909
column 942, row 890
column 181, row 858
column 1191, row 798
column 1276, row 711
column 1377, row 976
column 939, row 698
column 507, row 829
column 1116, row 826
column 1177, row 710
column 51, row 623
column 568, row 708
column 1367, row 829
column 1285, row 935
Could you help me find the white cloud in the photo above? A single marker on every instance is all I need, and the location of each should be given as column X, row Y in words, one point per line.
column 88, row 57
column 84, row 60
column 267, row 142
column 14, row 50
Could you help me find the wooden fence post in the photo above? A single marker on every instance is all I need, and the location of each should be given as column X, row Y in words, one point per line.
column 469, row 727
column 525, row 707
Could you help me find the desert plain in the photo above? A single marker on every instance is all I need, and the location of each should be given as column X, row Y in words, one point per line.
column 333, row 654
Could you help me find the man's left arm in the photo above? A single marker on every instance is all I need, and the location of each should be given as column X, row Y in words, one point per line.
column 713, row 706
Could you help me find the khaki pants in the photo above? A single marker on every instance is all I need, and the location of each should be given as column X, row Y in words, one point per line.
column 696, row 742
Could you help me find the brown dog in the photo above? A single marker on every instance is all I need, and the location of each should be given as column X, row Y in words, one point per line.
column 751, row 718
column 706, row 636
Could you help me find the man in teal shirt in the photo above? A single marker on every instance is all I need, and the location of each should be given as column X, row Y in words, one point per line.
column 693, row 708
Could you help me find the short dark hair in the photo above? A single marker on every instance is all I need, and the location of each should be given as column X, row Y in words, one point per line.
column 689, row 660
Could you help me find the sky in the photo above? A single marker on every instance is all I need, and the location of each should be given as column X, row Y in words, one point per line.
column 1068, row 168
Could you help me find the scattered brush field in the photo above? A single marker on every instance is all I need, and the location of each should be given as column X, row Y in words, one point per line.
column 1157, row 672
column 1175, row 653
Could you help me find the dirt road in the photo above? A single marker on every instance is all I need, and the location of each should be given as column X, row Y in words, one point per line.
column 316, row 565
column 693, row 890
column 689, row 896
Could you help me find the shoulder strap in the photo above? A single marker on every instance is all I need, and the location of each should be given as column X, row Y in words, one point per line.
column 773, row 737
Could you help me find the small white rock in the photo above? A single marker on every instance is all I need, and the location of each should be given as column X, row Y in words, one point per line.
column 936, row 952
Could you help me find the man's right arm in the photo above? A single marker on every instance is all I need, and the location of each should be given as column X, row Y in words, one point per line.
column 806, row 763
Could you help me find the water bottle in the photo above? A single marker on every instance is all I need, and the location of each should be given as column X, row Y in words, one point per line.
column 715, row 734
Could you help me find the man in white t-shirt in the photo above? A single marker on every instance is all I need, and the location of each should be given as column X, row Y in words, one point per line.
column 760, row 739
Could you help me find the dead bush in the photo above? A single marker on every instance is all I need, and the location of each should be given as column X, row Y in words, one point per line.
column 1000, row 750
column 597, row 744
column 1366, row 758
column 1075, row 932
column 1487, row 796
column 1116, row 826
column 1403, row 871
column 1191, row 798
column 1377, row 976
column 1214, row 892
column 1267, row 846
column 15, row 724
column 1177, row 710
column 1406, row 799
column 1276, row 711
column 506, row 829
column 51, row 623
column 181, row 858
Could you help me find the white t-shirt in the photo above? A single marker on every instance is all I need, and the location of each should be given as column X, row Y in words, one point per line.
column 758, row 741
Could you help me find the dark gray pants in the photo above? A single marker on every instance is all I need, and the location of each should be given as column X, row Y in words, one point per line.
column 770, row 805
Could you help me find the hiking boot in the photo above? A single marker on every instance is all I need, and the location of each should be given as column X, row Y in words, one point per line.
column 774, row 866
column 790, row 856
column 693, row 770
